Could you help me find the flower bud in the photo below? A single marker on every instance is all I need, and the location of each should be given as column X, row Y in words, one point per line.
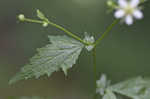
column 109, row 3
column 45, row 24
column 21, row 17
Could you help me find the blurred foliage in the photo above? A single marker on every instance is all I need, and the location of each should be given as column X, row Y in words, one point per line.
column 33, row 97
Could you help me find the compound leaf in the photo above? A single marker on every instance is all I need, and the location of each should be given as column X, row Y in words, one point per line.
column 62, row 53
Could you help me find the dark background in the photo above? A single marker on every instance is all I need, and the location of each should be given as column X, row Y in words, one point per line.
column 124, row 53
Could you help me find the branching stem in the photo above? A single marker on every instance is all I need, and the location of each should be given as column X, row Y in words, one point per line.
column 94, row 52
column 79, row 39
column 59, row 27
column 68, row 32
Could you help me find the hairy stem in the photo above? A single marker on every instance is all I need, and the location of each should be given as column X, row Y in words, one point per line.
column 94, row 69
column 106, row 32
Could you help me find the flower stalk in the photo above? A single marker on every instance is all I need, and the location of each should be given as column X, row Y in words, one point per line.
column 45, row 22
column 106, row 32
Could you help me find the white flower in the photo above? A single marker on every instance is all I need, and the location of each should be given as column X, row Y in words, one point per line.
column 128, row 10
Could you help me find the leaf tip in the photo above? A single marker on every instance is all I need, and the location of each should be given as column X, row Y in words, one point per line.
column 19, row 76
column 12, row 81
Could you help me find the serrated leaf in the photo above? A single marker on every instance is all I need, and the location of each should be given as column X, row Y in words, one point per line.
column 136, row 88
column 62, row 53
column 40, row 15
column 109, row 95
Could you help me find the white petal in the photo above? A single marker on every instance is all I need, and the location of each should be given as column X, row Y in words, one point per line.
column 119, row 13
column 122, row 3
column 134, row 3
column 138, row 14
column 129, row 19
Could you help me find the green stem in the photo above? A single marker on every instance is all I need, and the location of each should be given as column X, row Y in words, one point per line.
column 68, row 32
column 94, row 69
column 59, row 27
column 94, row 52
column 106, row 32
column 34, row 21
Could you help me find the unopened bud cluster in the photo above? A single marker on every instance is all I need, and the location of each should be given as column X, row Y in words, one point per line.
column 89, row 39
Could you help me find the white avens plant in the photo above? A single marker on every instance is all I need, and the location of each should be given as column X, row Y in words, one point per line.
column 128, row 10
column 63, row 51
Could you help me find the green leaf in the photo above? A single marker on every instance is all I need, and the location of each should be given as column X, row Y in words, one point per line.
column 109, row 95
column 62, row 53
column 136, row 88
column 41, row 15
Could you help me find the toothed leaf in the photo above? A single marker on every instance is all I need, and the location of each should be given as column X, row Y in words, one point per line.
column 62, row 53
column 136, row 88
